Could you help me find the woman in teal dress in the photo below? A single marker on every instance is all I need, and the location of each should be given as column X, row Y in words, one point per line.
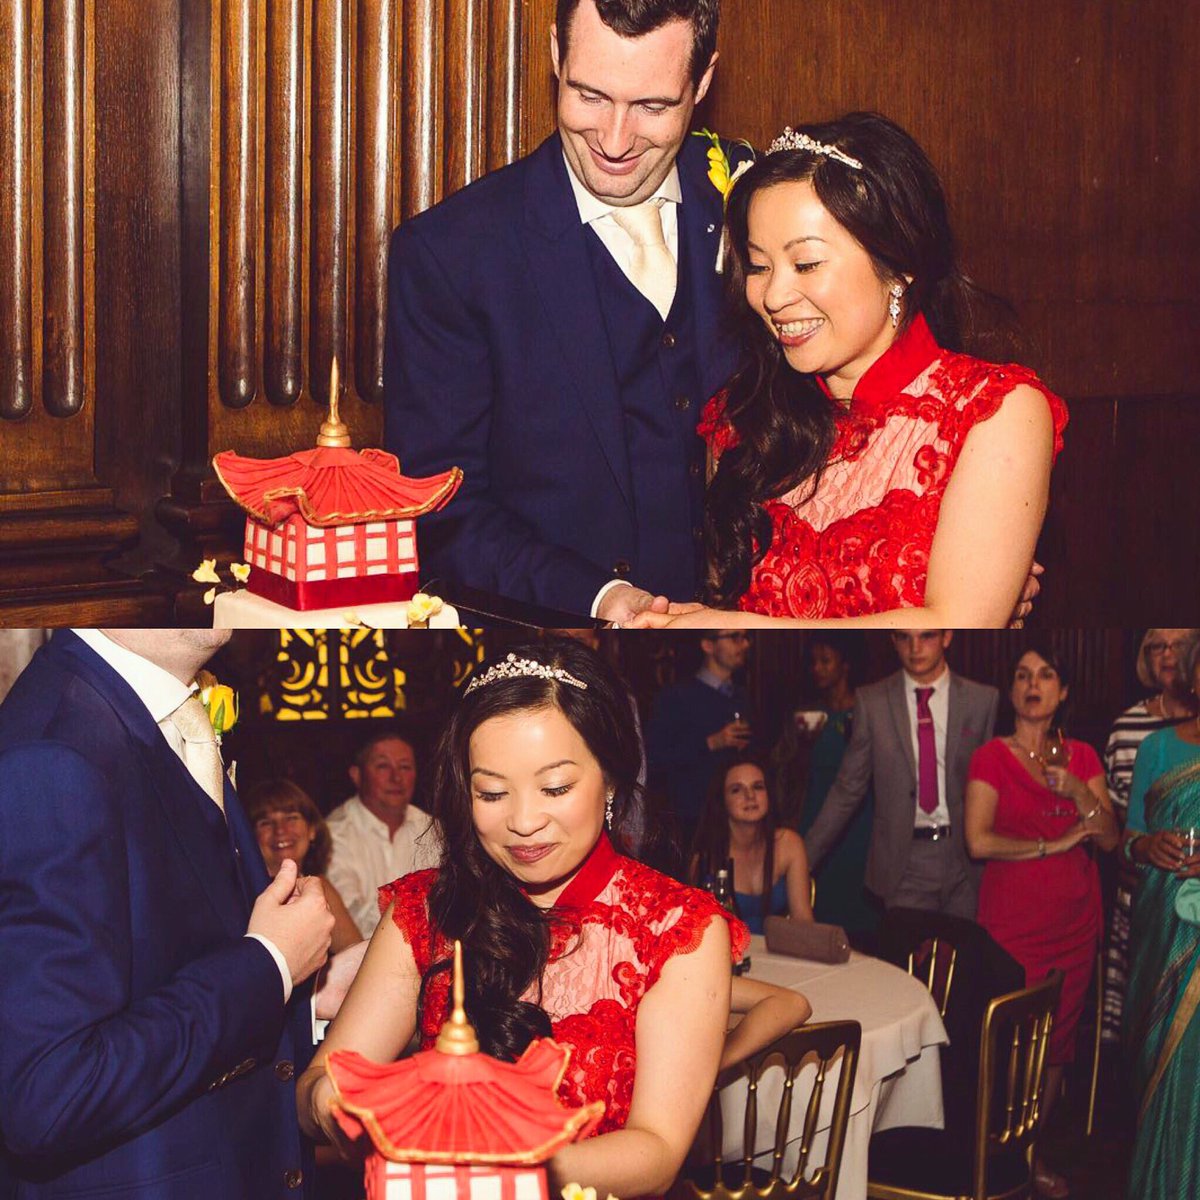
column 1162, row 1007
column 841, row 898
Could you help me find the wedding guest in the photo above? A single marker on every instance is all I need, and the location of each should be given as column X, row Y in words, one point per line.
column 379, row 834
column 1033, row 800
column 868, row 470
column 698, row 724
column 1162, row 1028
column 289, row 825
column 1158, row 668
column 841, row 899
column 554, row 329
column 147, row 1043
column 911, row 739
column 562, row 935
column 739, row 824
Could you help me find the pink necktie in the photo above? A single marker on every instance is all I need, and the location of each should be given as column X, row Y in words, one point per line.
column 927, row 779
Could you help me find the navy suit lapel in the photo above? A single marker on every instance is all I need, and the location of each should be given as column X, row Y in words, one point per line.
column 556, row 249
column 178, row 794
column 701, row 217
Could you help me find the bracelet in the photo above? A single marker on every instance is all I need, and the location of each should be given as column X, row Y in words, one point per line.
column 1041, row 847
column 1127, row 849
column 1094, row 811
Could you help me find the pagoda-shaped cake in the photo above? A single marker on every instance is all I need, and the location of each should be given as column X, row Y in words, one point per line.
column 331, row 527
column 455, row 1124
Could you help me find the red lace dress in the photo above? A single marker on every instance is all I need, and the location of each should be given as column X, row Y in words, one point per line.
column 860, row 545
column 622, row 922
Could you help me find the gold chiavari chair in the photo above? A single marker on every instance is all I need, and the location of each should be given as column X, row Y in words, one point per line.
column 935, row 969
column 1096, row 1041
column 931, row 1164
column 830, row 1045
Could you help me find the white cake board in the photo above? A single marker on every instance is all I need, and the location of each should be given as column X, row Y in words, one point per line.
column 244, row 610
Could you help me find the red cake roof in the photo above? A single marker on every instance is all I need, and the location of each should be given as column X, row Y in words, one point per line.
column 331, row 486
column 444, row 1108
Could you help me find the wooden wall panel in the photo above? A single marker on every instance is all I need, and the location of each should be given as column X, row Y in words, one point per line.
column 47, row 250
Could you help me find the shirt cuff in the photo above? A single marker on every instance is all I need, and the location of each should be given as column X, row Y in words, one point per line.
column 608, row 587
column 281, row 962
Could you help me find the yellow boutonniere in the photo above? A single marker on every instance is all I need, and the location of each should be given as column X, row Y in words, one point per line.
column 220, row 702
column 721, row 174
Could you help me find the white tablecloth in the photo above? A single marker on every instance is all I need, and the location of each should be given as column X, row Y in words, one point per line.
column 899, row 1078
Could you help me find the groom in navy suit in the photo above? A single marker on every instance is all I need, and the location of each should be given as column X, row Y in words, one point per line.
column 553, row 330
column 147, row 1046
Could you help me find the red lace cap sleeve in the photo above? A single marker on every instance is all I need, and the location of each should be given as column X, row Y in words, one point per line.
column 409, row 897
column 679, row 927
column 985, row 387
column 987, row 764
column 716, row 431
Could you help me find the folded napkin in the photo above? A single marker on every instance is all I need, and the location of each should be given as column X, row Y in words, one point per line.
column 803, row 939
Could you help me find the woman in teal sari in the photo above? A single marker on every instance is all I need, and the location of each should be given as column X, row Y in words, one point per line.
column 1162, row 1025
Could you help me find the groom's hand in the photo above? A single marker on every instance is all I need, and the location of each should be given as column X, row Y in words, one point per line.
column 621, row 604
column 294, row 916
column 1033, row 585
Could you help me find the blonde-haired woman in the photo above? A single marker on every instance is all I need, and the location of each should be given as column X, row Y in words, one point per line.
column 1159, row 670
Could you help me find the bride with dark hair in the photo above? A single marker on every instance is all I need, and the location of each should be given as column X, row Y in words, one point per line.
column 867, row 469
column 563, row 936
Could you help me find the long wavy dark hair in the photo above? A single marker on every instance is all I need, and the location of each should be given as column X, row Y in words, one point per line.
column 896, row 209
column 506, row 938
column 710, row 846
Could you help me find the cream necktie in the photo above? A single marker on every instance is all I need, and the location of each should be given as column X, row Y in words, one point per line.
column 201, row 755
column 652, row 268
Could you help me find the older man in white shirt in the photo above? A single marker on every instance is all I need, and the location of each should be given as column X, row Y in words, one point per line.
column 379, row 834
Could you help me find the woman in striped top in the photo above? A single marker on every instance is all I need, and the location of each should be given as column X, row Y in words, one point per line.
column 1158, row 662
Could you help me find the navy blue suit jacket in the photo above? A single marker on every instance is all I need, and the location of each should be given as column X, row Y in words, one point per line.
column 497, row 360
column 145, row 1049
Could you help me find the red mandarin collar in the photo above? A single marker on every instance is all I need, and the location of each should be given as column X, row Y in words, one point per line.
column 906, row 358
column 592, row 877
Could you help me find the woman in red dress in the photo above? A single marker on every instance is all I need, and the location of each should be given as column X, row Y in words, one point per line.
column 1034, row 801
column 562, row 935
column 866, row 470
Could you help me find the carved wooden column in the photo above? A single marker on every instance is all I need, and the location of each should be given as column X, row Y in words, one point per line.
column 312, row 127
column 58, row 521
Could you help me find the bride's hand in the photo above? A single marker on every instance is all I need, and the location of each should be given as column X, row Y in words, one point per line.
column 682, row 616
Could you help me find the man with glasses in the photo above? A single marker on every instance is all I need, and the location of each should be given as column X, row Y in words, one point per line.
column 699, row 725
column 914, row 734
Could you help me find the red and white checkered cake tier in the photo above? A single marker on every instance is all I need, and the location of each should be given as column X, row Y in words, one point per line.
column 416, row 1181
column 307, row 566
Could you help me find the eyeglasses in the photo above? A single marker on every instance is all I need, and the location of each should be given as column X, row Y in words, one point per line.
column 1158, row 649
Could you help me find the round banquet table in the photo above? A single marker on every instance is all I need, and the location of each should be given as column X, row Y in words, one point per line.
column 899, row 1077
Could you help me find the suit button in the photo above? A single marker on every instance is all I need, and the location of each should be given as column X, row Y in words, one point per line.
column 668, row 341
column 622, row 568
column 695, row 469
column 293, row 1178
column 284, row 1071
column 682, row 404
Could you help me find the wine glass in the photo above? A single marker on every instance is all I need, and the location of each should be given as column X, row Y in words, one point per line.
column 1054, row 754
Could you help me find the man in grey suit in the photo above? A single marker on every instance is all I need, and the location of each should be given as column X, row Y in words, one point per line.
column 914, row 733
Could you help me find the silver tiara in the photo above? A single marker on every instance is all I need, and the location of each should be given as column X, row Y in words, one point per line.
column 514, row 668
column 789, row 139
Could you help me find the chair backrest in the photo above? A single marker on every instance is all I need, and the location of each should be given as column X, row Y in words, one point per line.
column 830, row 1045
column 1012, row 1068
column 933, row 963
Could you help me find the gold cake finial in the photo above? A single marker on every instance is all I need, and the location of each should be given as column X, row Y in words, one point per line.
column 457, row 1035
column 334, row 431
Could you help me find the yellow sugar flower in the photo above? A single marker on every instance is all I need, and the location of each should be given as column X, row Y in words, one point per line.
column 420, row 609
column 206, row 572
column 240, row 571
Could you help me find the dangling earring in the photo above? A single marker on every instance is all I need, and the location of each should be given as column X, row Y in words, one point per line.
column 894, row 304
column 608, row 801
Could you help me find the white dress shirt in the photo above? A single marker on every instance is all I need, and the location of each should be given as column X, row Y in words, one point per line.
column 597, row 214
column 939, row 709
column 162, row 693
column 366, row 856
